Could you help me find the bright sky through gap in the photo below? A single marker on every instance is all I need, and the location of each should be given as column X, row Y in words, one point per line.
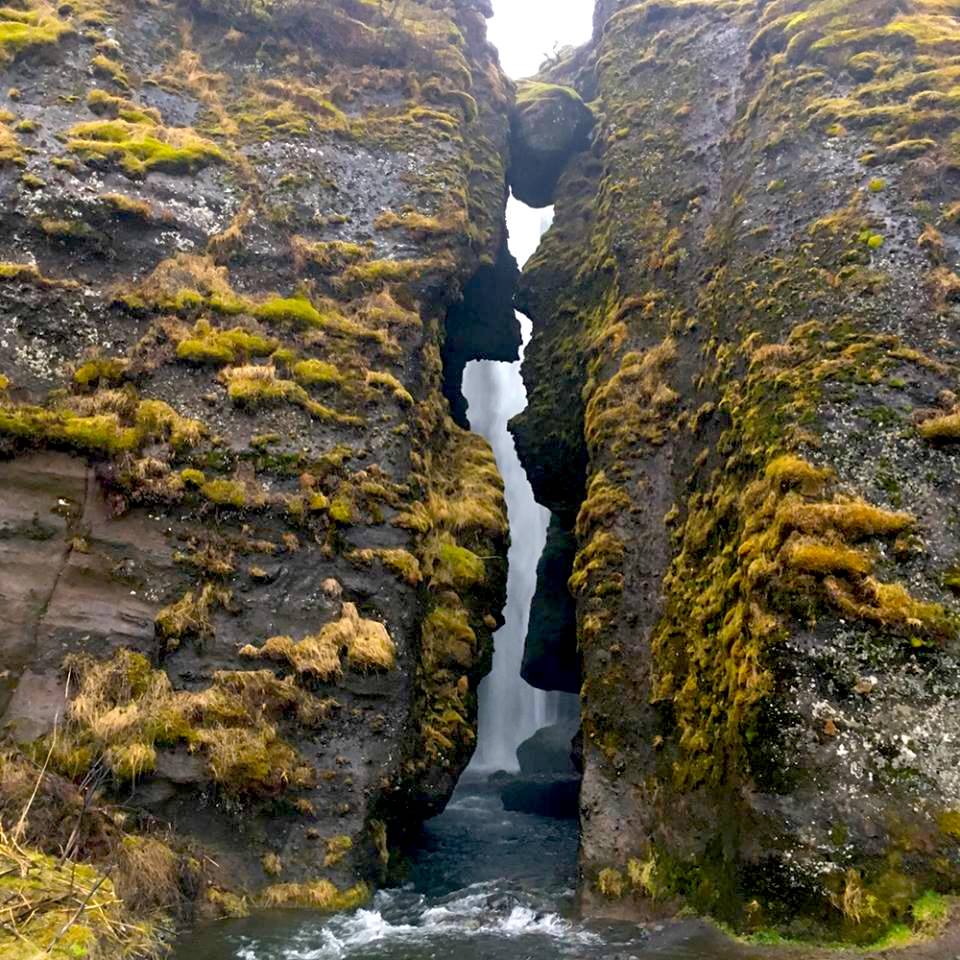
column 526, row 31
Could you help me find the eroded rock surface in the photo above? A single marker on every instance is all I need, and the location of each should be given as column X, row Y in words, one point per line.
column 250, row 567
column 751, row 286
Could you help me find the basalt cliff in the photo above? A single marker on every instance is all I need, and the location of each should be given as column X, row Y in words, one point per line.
column 252, row 560
column 745, row 337
column 250, row 565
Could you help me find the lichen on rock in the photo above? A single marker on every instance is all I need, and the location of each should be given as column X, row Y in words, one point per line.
column 747, row 287
column 226, row 452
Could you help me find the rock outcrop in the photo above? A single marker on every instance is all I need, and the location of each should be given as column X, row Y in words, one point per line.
column 551, row 660
column 743, row 374
column 550, row 123
column 250, row 566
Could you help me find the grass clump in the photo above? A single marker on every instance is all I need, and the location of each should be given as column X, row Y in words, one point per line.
column 451, row 565
column 401, row 562
column 296, row 311
column 422, row 225
column 329, row 255
column 102, row 370
column 316, row 372
column 316, row 656
column 64, row 910
column 366, row 643
column 26, row 30
column 320, row 895
column 117, row 108
column 127, row 207
column 107, row 432
column 228, row 493
column 190, row 615
column 336, row 849
column 379, row 378
column 186, row 283
column 448, row 639
column 103, row 66
column 254, row 386
column 930, row 912
column 139, row 148
column 208, row 345
column 941, row 429
column 123, row 709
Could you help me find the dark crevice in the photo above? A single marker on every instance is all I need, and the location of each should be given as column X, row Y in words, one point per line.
column 482, row 326
column 551, row 660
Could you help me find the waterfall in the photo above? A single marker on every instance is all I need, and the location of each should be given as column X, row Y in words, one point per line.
column 510, row 709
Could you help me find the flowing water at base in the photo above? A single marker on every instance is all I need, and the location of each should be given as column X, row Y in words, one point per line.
column 458, row 906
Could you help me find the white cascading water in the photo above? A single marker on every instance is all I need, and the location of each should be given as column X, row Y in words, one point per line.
column 510, row 709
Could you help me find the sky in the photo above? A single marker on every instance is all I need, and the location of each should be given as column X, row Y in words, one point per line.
column 526, row 31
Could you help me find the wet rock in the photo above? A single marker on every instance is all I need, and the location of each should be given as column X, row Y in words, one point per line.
column 551, row 660
column 549, row 124
column 546, row 796
column 549, row 750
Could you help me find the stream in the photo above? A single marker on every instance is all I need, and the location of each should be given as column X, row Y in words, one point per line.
column 485, row 884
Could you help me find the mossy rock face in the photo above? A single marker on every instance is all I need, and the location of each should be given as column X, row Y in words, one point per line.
column 739, row 318
column 549, row 124
column 227, row 462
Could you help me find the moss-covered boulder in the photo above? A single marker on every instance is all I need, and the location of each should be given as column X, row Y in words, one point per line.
column 549, row 124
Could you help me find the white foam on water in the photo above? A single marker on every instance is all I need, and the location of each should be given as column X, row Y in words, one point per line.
column 466, row 914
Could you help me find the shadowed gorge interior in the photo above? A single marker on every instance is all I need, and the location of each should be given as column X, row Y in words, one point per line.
column 479, row 479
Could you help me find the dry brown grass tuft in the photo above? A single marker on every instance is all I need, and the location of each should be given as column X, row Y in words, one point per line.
column 147, row 874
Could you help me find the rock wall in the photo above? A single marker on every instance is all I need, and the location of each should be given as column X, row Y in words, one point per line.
column 750, row 287
column 250, row 566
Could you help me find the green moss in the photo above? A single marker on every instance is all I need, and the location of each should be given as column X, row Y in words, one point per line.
column 192, row 477
column 111, row 70
column 448, row 639
column 877, row 185
column 253, row 386
column 23, row 31
column 139, row 148
column 127, row 207
column 944, row 428
column 331, row 254
column 106, row 104
column 376, row 273
column 50, row 892
column 320, row 895
column 227, row 493
column 531, row 92
column 296, row 311
column 400, row 393
column 102, row 370
column 611, row 883
column 457, row 566
column 209, row 345
column 342, row 510
column 312, row 372
column 930, row 911
column 336, row 849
